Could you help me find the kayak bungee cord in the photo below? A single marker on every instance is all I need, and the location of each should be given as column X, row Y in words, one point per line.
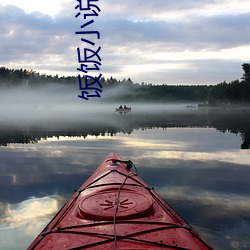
column 129, row 165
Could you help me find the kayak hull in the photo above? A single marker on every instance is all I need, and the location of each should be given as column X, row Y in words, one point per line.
column 116, row 209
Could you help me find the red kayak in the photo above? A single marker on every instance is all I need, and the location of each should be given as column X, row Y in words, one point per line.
column 116, row 209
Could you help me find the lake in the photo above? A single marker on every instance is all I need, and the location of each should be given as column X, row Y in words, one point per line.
column 198, row 160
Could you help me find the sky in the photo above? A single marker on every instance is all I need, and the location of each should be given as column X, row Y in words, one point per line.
column 159, row 42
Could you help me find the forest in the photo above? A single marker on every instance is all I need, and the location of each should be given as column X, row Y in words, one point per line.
column 224, row 93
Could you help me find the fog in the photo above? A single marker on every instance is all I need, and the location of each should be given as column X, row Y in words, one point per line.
column 28, row 114
column 55, row 102
column 60, row 102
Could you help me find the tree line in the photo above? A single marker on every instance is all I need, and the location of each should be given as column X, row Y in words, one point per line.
column 236, row 91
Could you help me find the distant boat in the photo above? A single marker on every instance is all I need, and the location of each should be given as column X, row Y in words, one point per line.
column 125, row 110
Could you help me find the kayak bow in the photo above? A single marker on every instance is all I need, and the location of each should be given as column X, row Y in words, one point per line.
column 116, row 209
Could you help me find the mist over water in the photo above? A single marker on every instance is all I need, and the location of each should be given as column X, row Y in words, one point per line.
column 42, row 102
column 61, row 102
column 56, row 110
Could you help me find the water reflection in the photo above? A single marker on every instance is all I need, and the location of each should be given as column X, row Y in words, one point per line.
column 31, row 210
column 195, row 166
column 20, row 222
column 106, row 122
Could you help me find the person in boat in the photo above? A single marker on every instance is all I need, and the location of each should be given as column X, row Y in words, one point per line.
column 125, row 107
column 120, row 107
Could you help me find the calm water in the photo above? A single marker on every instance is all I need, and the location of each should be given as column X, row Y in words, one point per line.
column 197, row 160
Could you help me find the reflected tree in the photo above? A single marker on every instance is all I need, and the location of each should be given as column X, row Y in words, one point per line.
column 233, row 122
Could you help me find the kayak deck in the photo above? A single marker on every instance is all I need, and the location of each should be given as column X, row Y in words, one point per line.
column 116, row 209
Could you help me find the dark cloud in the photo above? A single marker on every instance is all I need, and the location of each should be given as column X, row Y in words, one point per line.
column 200, row 32
column 219, row 32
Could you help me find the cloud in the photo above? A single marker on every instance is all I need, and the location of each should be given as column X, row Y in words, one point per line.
column 217, row 32
column 32, row 39
column 187, row 35
column 26, row 220
column 29, row 210
column 172, row 10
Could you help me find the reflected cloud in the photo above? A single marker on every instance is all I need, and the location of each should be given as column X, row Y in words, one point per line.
column 234, row 156
column 22, row 222
column 226, row 216
column 149, row 144
column 30, row 213
column 228, row 203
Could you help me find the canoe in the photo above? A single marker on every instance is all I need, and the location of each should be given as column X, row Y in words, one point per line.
column 116, row 209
